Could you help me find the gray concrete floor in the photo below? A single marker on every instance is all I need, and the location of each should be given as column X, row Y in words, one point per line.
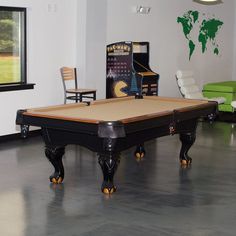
column 154, row 197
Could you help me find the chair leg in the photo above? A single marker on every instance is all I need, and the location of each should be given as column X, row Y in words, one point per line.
column 76, row 97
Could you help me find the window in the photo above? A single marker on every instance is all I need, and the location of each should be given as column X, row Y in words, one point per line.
column 13, row 49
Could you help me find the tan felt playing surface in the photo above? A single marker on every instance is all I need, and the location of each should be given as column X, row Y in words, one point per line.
column 117, row 109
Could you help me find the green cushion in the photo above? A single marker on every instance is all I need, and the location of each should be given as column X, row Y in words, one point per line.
column 227, row 87
column 229, row 97
column 225, row 108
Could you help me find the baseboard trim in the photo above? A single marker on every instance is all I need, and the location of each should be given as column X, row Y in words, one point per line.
column 11, row 137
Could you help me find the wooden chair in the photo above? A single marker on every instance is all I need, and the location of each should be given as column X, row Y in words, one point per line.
column 76, row 94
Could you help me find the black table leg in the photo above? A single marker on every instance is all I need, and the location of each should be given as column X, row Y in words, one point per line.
column 54, row 155
column 139, row 152
column 187, row 140
column 108, row 160
column 109, row 164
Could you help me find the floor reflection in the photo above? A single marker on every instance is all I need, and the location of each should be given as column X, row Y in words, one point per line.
column 154, row 197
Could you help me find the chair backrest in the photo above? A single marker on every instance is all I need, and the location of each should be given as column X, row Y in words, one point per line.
column 187, row 85
column 68, row 73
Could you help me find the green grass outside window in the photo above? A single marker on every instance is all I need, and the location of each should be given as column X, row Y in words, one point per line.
column 9, row 69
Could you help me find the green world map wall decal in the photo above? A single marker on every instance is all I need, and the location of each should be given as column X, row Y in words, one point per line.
column 207, row 31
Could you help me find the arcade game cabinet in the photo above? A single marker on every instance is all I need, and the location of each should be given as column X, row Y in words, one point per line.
column 128, row 71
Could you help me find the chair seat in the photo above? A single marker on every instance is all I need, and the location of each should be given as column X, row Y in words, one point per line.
column 81, row 90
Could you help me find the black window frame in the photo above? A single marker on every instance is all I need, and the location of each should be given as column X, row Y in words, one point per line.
column 22, row 85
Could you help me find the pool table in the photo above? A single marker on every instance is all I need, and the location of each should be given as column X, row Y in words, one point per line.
column 112, row 125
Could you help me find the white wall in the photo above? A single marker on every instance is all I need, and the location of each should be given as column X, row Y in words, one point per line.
column 220, row 68
column 91, row 54
column 168, row 47
column 76, row 32
column 51, row 44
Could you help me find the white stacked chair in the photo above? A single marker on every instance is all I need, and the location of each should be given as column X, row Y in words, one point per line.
column 189, row 89
column 233, row 104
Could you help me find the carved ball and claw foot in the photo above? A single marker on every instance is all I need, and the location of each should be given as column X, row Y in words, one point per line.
column 56, row 178
column 139, row 153
column 54, row 155
column 186, row 162
column 187, row 140
column 109, row 164
column 108, row 187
